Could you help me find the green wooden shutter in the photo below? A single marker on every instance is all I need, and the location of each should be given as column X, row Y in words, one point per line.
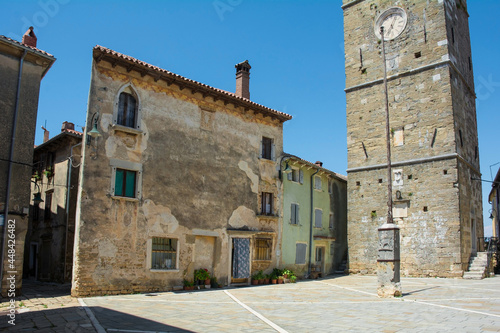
column 119, row 182
column 130, row 184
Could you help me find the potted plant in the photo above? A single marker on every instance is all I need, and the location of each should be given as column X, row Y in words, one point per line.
column 188, row 285
column 286, row 273
column 267, row 277
column 281, row 279
column 202, row 275
column 274, row 278
column 260, row 277
column 292, row 278
column 255, row 279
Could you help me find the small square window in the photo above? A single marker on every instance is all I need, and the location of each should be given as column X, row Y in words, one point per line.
column 263, row 247
column 267, row 203
column 164, row 253
column 47, row 215
column 300, row 253
column 125, row 183
column 294, row 219
column 318, row 218
column 317, row 182
column 267, row 148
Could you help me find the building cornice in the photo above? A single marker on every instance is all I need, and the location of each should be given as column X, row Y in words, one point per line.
column 101, row 53
column 416, row 161
column 414, row 71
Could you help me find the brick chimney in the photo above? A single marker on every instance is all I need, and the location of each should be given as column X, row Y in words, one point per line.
column 45, row 134
column 67, row 126
column 319, row 163
column 243, row 79
column 29, row 38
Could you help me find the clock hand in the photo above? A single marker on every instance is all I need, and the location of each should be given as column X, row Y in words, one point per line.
column 392, row 25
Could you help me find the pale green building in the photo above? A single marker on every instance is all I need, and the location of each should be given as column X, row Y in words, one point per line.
column 314, row 219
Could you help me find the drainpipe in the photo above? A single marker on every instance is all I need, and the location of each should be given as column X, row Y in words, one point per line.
column 312, row 223
column 68, row 188
column 11, row 157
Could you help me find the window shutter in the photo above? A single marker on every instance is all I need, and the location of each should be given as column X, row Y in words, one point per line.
column 297, row 214
column 261, row 147
column 293, row 219
column 273, row 149
column 300, row 254
column 317, row 222
column 301, row 176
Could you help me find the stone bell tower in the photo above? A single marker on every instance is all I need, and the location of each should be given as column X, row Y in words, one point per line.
column 434, row 143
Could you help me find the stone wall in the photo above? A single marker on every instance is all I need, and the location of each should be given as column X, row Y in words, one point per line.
column 433, row 137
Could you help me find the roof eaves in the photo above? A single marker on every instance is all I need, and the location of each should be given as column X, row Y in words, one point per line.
column 313, row 165
column 100, row 53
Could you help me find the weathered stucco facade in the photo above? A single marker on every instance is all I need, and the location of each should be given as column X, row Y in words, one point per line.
column 22, row 67
column 199, row 166
column 433, row 137
column 314, row 203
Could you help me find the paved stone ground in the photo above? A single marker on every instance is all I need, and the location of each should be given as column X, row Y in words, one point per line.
column 347, row 303
column 45, row 307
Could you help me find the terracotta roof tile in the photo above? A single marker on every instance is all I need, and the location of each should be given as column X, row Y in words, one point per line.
column 107, row 51
column 316, row 166
column 26, row 46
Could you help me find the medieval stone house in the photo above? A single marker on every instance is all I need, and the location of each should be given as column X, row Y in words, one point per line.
column 176, row 176
column 22, row 68
column 48, row 254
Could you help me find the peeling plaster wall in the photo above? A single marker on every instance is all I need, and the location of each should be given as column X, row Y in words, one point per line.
column 201, row 175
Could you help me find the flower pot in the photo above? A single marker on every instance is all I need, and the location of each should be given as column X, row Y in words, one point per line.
column 274, row 281
column 261, row 281
column 266, row 281
column 188, row 288
column 280, row 281
column 207, row 282
column 255, row 282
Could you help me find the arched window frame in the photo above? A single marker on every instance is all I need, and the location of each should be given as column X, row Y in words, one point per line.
column 130, row 89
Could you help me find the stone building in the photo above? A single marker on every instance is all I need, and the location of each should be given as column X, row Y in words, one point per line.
column 181, row 176
column 494, row 200
column 48, row 254
column 314, row 218
column 433, row 128
column 22, row 67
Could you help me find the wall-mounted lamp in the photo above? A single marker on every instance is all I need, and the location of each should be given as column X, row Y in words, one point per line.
column 94, row 133
column 37, row 197
column 398, row 195
column 287, row 169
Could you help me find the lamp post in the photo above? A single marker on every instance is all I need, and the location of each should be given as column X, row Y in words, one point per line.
column 388, row 261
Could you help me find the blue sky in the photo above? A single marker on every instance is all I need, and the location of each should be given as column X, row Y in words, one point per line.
column 295, row 49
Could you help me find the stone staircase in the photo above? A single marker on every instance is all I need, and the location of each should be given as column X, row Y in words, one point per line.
column 342, row 268
column 477, row 267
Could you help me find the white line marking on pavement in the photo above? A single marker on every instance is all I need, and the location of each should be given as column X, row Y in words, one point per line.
column 132, row 331
column 459, row 309
column 337, row 286
column 92, row 318
column 255, row 313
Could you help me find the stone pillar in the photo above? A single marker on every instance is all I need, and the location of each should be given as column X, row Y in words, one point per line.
column 388, row 262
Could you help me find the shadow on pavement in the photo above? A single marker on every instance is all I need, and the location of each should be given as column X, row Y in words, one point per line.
column 116, row 321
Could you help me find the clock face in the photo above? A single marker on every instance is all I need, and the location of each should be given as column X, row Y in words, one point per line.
column 394, row 22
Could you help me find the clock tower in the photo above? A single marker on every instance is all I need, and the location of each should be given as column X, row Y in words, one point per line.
column 436, row 203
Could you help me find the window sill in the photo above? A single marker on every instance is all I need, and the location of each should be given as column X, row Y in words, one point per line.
column 115, row 197
column 263, row 260
column 267, row 160
column 268, row 217
column 156, row 270
column 125, row 129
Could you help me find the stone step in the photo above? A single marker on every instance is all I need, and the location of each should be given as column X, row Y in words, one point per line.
column 473, row 276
